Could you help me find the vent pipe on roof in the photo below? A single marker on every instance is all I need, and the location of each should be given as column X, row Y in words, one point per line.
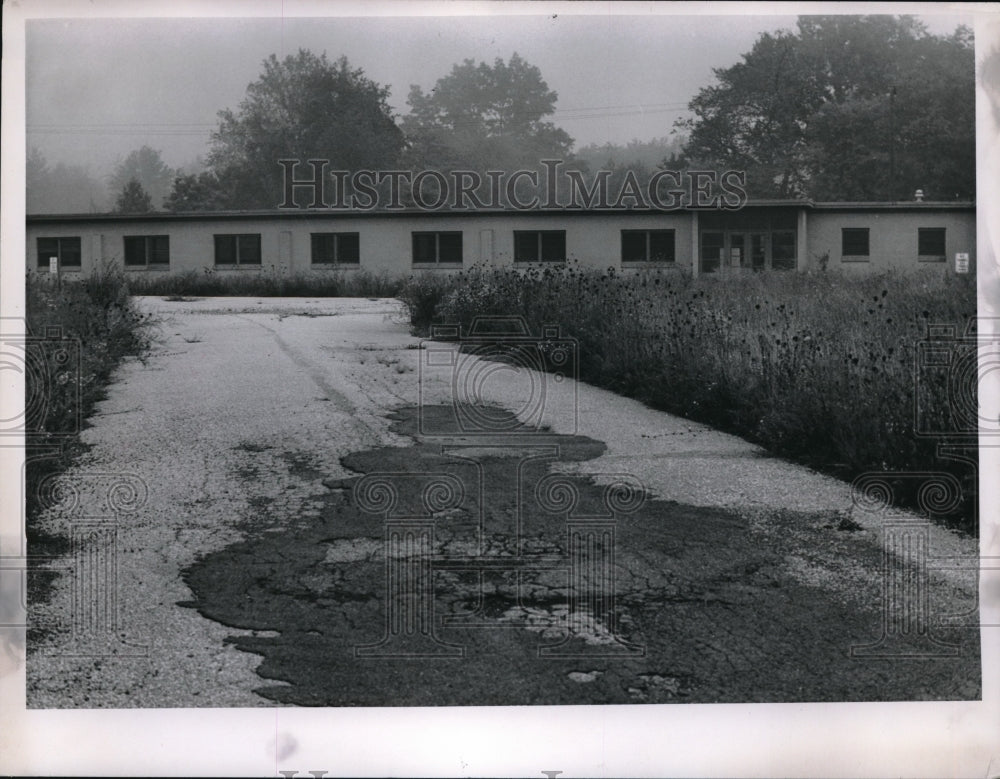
column 919, row 196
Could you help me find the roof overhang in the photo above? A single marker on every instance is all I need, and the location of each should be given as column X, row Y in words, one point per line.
column 333, row 213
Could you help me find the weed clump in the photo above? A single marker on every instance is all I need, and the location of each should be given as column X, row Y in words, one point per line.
column 820, row 368
column 333, row 283
column 77, row 335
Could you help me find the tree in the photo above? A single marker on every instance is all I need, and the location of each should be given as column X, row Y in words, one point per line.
column 196, row 192
column 749, row 121
column 482, row 117
column 146, row 166
column 847, row 107
column 61, row 189
column 908, row 121
column 133, row 199
column 36, row 173
column 642, row 158
column 644, row 155
column 303, row 107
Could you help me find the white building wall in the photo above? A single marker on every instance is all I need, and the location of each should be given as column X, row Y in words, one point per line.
column 892, row 237
column 386, row 242
column 592, row 239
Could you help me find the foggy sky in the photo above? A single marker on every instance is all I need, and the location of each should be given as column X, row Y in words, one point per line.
column 99, row 88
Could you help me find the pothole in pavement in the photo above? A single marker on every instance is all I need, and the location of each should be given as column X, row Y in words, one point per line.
column 449, row 573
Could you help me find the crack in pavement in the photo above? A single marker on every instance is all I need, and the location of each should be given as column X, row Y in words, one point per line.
column 781, row 594
column 339, row 399
column 696, row 591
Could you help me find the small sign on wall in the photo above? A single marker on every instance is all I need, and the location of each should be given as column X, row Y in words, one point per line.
column 961, row 262
column 53, row 265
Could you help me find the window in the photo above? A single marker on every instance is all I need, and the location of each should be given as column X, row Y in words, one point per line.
column 437, row 248
column 237, row 249
column 647, row 245
column 539, row 246
column 783, row 250
column 336, row 249
column 66, row 250
column 930, row 244
column 711, row 251
column 854, row 242
column 142, row 251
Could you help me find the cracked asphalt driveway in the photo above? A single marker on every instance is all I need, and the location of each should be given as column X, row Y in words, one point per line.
column 309, row 521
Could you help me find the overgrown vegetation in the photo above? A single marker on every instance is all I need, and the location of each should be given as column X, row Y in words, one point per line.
column 819, row 368
column 331, row 283
column 78, row 334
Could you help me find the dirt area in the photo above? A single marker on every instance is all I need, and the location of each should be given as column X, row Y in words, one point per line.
column 274, row 511
column 699, row 605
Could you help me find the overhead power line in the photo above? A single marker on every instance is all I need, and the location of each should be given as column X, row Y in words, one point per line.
column 201, row 128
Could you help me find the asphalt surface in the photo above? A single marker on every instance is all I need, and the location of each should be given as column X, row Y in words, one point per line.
column 290, row 503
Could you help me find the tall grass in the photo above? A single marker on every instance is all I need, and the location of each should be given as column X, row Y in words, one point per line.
column 268, row 283
column 78, row 334
column 819, row 368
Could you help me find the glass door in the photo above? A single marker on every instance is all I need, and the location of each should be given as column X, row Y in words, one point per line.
column 758, row 251
column 747, row 251
column 712, row 243
column 737, row 250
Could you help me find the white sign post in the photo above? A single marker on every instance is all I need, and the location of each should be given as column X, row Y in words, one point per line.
column 54, row 271
column 961, row 262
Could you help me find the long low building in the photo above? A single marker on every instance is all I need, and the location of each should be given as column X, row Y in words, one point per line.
column 763, row 235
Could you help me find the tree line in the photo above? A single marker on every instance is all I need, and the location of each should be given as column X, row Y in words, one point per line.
column 841, row 108
column 845, row 108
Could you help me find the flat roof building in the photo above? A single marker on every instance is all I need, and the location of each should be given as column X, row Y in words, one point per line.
column 788, row 235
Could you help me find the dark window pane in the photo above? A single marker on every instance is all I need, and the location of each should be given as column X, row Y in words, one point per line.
column 783, row 251
column 554, row 245
column 711, row 251
column 424, row 247
column 225, row 249
column 65, row 250
column 633, row 245
column 661, row 245
column 323, row 248
column 854, row 241
column 349, row 248
column 930, row 241
column 47, row 248
column 526, row 246
column 449, row 247
column 135, row 250
column 249, row 249
column 159, row 250
column 69, row 252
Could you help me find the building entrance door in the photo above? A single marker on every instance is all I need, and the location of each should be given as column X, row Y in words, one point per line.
column 758, row 251
column 759, row 240
column 748, row 251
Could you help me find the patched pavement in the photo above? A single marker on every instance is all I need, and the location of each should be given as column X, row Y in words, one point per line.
column 319, row 522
